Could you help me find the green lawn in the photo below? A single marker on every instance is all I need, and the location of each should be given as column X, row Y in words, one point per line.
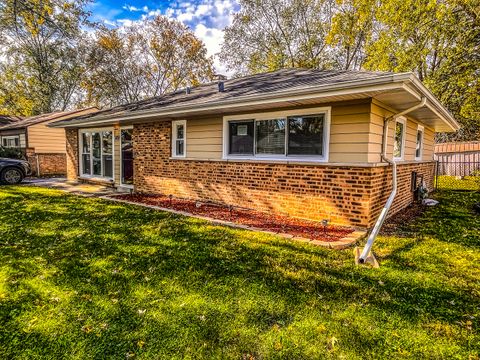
column 453, row 183
column 84, row 278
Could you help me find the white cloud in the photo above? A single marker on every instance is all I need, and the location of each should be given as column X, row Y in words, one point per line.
column 102, row 13
column 109, row 23
column 126, row 22
column 213, row 39
column 132, row 8
column 207, row 18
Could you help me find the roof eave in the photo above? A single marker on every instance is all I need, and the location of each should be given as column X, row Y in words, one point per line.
column 405, row 81
column 433, row 103
column 350, row 86
column 7, row 127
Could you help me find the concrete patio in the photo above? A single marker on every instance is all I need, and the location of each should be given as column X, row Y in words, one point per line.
column 77, row 188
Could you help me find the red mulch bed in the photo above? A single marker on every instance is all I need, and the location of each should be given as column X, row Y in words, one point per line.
column 275, row 223
column 400, row 223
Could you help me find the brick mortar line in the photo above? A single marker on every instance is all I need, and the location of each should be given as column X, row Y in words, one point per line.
column 342, row 243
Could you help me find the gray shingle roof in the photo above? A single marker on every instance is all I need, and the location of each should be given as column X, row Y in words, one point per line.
column 7, row 119
column 272, row 82
column 32, row 120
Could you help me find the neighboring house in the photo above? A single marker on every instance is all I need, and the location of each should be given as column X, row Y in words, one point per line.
column 44, row 147
column 306, row 143
column 458, row 158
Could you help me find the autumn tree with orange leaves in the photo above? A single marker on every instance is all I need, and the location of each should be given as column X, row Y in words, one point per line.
column 147, row 59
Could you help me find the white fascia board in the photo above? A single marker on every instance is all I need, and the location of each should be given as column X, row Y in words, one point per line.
column 433, row 104
column 244, row 101
column 404, row 81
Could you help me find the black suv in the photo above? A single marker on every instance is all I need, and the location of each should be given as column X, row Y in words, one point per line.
column 13, row 171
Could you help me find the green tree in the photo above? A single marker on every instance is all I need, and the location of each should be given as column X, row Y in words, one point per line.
column 350, row 31
column 440, row 42
column 42, row 64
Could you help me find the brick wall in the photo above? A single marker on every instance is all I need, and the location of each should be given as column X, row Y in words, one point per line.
column 344, row 195
column 71, row 136
column 382, row 186
column 47, row 164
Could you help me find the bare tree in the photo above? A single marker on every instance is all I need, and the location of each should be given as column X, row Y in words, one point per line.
column 271, row 34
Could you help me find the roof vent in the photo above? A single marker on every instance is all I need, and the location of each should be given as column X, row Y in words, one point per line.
column 220, row 78
column 188, row 90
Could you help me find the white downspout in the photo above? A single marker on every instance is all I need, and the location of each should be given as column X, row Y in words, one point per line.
column 388, row 204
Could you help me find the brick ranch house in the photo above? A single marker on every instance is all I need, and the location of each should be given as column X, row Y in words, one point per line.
column 44, row 147
column 306, row 143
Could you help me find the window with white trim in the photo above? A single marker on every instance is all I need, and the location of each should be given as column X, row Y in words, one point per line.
column 11, row 141
column 297, row 135
column 179, row 130
column 96, row 157
column 399, row 139
column 419, row 144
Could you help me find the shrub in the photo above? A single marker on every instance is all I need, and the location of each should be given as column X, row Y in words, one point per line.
column 12, row 153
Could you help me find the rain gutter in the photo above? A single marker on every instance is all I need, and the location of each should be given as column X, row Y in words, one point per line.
column 383, row 215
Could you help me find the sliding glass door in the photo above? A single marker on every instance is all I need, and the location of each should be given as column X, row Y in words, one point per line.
column 97, row 153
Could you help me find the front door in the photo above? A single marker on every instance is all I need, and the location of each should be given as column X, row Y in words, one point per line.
column 127, row 156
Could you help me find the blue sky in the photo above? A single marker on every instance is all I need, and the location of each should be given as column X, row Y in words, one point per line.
column 207, row 18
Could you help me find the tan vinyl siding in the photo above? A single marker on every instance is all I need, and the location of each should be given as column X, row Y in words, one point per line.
column 349, row 132
column 204, row 138
column 356, row 133
column 429, row 144
column 375, row 137
column 378, row 113
column 46, row 140
column 349, row 135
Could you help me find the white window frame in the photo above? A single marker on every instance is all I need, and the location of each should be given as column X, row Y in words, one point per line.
column 80, row 153
column 11, row 137
column 279, row 115
column 421, row 129
column 175, row 123
column 403, row 121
